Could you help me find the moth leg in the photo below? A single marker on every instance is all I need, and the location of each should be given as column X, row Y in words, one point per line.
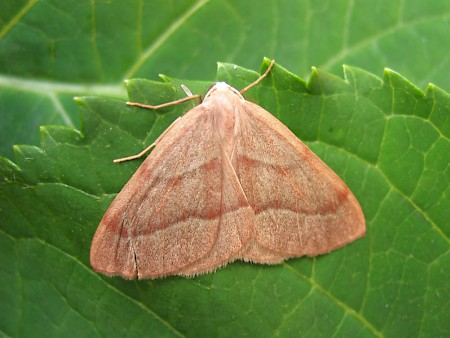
column 142, row 153
column 258, row 80
column 190, row 96
column 188, row 91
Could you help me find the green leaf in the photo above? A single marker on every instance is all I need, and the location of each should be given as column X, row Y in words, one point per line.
column 52, row 50
column 388, row 140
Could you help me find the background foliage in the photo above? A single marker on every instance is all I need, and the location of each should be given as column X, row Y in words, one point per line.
column 384, row 136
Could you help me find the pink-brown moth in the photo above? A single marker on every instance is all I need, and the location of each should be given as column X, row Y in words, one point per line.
column 225, row 181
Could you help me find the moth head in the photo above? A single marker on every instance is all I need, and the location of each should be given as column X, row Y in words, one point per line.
column 222, row 88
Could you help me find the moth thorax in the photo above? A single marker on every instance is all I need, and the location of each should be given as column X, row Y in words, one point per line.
column 224, row 107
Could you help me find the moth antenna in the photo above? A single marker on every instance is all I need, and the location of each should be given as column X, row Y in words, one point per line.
column 167, row 104
column 242, row 91
column 190, row 96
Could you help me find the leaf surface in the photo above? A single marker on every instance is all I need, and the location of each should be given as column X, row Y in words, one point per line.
column 52, row 50
column 388, row 141
column 384, row 136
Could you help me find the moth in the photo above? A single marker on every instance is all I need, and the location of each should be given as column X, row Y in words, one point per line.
column 226, row 181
